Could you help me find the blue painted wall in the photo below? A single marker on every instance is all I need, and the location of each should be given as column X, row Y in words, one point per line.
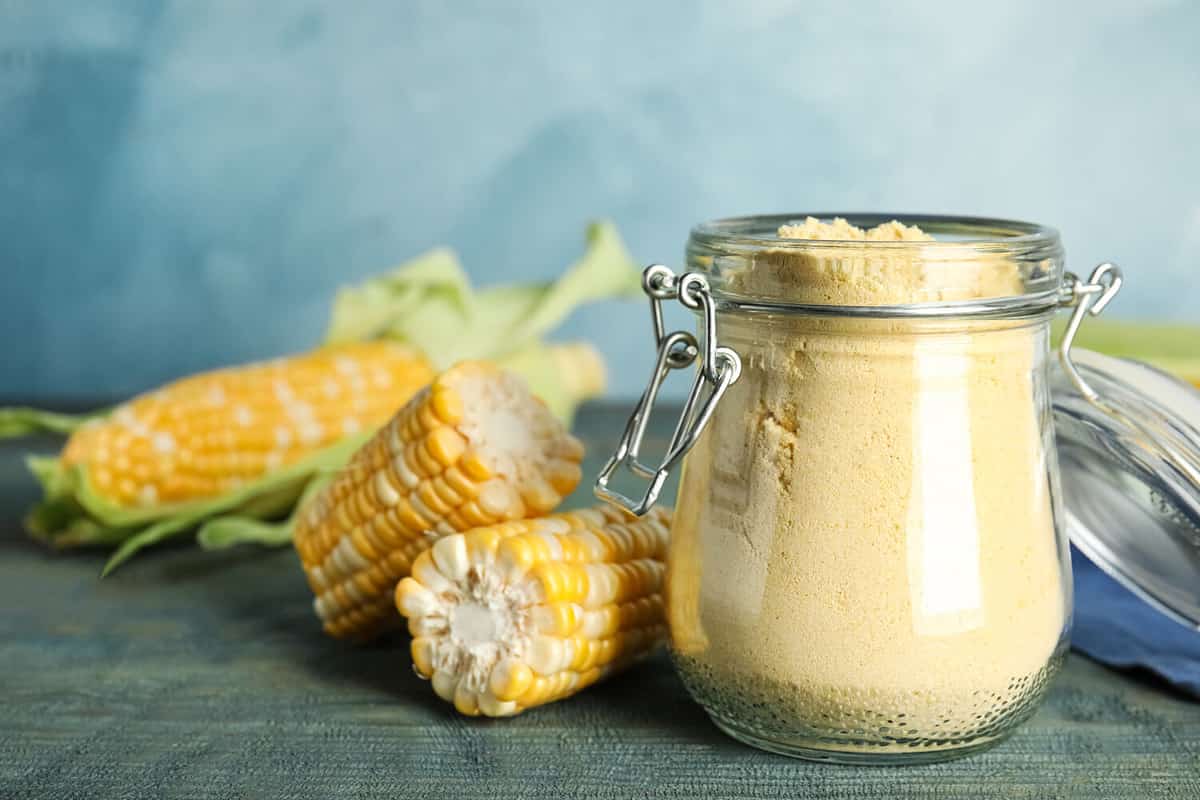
column 183, row 184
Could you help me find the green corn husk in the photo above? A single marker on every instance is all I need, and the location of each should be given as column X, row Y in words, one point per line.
column 427, row 302
column 24, row 421
column 72, row 514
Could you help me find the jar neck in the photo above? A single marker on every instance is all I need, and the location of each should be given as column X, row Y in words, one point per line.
column 1031, row 307
column 971, row 268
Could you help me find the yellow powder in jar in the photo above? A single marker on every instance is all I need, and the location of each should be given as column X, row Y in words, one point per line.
column 864, row 547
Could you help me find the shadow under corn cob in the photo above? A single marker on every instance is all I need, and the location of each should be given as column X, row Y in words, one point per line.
column 228, row 454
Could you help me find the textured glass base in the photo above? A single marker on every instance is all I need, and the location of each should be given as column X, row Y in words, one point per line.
column 835, row 753
column 856, row 725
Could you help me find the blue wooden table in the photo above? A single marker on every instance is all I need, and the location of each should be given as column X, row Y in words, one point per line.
column 191, row 674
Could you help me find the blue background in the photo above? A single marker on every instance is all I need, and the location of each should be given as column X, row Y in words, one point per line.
column 183, row 184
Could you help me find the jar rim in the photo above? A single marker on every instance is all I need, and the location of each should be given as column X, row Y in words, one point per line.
column 715, row 246
column 988, row 235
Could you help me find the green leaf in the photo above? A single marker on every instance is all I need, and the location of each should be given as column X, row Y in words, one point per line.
column 430, row 304
column 83, row 532
column 19, row 421
column 605, row 271
column 152, row 534
column 220, row 533
column 432, row 286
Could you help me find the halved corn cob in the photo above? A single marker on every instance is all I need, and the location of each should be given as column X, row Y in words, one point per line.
column 209, row 433
column 473, row 448
column 514, row 615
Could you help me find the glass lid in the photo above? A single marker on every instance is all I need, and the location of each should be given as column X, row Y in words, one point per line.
column 1129, row 452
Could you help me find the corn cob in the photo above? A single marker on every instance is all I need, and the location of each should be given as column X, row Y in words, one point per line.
column 473, row 448
column 523, row 613
column 215, row 431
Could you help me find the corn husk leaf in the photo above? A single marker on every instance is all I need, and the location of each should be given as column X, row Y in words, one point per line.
column 22, row 421
column 72, row 514
column 430, row 304
column 231, row 530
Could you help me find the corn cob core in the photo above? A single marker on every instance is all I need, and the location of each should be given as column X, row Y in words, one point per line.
column 212, row 432
column 515, row 615
column 473, row 448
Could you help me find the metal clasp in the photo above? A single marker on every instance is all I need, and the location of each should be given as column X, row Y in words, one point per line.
column 1091, row 298
column 1087, row 298
column 719, row 368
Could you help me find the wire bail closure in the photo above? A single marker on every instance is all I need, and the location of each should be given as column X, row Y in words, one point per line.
column 1091, row 298
column 719, row 368
column 1086, row 298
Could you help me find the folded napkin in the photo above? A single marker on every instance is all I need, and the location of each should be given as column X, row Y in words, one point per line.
column 1116, row 627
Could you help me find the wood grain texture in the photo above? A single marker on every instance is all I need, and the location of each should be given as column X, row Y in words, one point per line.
column 191, row 674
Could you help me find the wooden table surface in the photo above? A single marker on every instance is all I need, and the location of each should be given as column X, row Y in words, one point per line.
column 191, row 674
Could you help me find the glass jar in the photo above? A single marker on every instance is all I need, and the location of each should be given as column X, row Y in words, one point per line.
column 867, row 560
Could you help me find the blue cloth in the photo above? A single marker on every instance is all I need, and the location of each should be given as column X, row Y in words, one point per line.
column 1116, row 627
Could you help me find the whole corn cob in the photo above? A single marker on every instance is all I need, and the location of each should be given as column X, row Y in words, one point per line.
column 515, row 615
column 215, row 431
column 473, row 448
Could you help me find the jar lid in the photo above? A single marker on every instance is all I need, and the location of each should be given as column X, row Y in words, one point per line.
column 1130, row 463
